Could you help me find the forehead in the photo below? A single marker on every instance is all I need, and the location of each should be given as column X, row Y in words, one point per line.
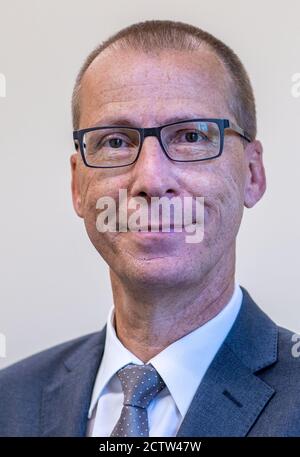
column 151, row 88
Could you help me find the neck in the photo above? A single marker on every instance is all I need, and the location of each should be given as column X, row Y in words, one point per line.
column 149, row 320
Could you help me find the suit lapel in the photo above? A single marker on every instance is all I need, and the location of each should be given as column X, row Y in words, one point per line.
column 65, row 402
column 231, row 396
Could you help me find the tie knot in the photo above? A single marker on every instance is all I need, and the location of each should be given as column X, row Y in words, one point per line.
column 140, row 384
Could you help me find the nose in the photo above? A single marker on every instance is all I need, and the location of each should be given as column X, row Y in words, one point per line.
column 153, row 175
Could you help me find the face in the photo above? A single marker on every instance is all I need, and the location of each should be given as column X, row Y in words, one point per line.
column 150, row 91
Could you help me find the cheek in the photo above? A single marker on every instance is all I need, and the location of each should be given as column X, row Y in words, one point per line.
column 222, row 189
column 95, row 188
column 230, row 197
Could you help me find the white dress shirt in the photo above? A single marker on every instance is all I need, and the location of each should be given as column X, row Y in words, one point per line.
column 181, row 365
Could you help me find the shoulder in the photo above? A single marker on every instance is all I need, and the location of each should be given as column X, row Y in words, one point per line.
column 22, row 384
column 45, row 364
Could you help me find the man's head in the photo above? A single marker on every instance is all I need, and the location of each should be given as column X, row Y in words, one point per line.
column 146, row 75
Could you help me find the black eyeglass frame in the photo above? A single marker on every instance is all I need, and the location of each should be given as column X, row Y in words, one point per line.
column 156, row 131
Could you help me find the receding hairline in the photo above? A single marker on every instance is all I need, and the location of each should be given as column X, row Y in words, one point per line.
column 201, row 60
column 117, row 47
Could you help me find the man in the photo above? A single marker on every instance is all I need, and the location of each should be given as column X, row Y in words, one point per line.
column 186, row 351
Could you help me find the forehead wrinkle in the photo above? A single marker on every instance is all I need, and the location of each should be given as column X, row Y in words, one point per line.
column 193, row 101
column 106, row 113
column 186, row 85
column 183, row 91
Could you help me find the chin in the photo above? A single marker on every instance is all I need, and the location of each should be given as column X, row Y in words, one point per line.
column 159, row 271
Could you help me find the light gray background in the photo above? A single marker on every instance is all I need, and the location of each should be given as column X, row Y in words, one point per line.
column 54, row 285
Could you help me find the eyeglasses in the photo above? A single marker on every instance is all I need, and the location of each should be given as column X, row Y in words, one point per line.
column 184, row 141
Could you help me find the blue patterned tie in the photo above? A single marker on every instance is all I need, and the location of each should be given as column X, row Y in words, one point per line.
column 140, row 384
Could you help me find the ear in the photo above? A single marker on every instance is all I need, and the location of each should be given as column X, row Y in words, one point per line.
column 75, row 184
column 255, row 184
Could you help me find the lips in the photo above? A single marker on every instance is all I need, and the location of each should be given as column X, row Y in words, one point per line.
column 161, row 227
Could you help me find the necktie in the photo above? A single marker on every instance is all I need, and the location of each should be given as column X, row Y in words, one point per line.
column 140, row 384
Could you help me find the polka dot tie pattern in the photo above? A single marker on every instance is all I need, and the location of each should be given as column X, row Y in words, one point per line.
column 140, row 384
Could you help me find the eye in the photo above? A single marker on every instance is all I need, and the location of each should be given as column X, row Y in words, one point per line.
column 191, row 136
column 113, row 142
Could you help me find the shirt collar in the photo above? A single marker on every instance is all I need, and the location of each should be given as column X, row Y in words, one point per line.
column 181, row 365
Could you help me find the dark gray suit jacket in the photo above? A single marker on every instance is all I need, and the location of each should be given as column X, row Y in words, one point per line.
column 252, row 387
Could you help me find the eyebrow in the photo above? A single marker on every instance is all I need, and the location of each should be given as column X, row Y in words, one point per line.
column 125, row 121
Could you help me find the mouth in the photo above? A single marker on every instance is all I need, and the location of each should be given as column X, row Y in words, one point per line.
column 160, row 228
